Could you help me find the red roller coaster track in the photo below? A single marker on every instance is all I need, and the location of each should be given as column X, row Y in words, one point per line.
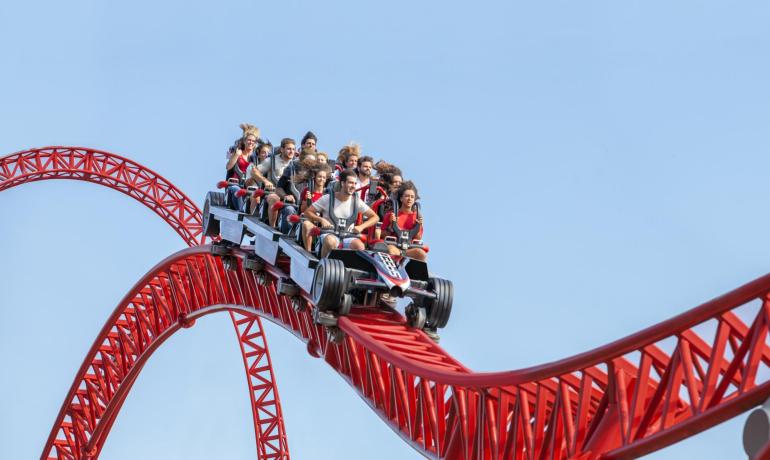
column 628, row 398
column 181, row 213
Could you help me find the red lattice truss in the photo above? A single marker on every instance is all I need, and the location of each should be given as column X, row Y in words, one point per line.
column 623, row 400
column 620, row 401
column 184, row 217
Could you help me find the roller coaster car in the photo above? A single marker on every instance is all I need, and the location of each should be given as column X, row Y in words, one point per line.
column 343, row 278
column 367, row 277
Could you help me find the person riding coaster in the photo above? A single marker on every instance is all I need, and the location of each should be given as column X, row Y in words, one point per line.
column 294, row 179
column 316, row 178
column 237, row 165
column 403, row 227
column 268, row 173
column 389, row 178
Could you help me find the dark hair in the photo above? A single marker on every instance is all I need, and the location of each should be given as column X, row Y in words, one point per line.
column 386, row 172
column 262, row 144
column 322, row 167
column 407, row 185
column 287, row 140
column 309, row 168
column 308, row 135
column 347, row 173
column 365, row 158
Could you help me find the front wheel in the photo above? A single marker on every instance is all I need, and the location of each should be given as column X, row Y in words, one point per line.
column 329, row 284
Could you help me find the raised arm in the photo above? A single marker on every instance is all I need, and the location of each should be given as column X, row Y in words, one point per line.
column 233, row 159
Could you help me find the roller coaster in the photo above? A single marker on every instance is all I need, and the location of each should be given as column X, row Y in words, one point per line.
column 623, row 400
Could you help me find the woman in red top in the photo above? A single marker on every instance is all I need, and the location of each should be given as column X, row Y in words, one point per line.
column 320, row 176
column 408, row 218
column 238, row 161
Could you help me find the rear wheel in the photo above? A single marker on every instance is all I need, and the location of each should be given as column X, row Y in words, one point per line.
column 329, row 284
column 210, row 224
column 440, row 308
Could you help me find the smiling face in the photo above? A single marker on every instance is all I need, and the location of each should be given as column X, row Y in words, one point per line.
column 320, row 179
column 264, row 151
column 351, row 162
column 349, row 186
column 396, row 183
column 249, row 143
column 288, row 151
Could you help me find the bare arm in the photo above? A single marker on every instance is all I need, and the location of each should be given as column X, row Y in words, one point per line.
column 257, row 176
column 233, row 159
column 315, row 218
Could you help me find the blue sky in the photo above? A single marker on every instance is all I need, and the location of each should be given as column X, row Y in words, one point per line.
column 587, row 169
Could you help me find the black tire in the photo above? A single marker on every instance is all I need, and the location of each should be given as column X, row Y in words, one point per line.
column 328, row 284
column 440, row 309
column 210, row 224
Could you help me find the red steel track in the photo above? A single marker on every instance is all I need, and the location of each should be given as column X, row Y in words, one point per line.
column 183, row 215
column 628, row 398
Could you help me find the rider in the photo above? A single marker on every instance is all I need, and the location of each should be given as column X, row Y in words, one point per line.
column 292, row 182
column 365, row 182
column 389, row 176
column 409, row 220
column 273, row 167
column 347, row 158
column 264, row 149
column 317, row 177
column 309, row 142
column 238, row 163
column 339, row 211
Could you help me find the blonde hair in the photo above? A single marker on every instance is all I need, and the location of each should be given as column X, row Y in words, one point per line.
column 345, row 152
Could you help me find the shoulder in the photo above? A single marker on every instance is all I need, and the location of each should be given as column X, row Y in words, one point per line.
column 322, row 202
column 362, row 203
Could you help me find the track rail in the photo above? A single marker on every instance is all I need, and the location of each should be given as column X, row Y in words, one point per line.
column 113, row 171
column 620, row 401
column 181, row 213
